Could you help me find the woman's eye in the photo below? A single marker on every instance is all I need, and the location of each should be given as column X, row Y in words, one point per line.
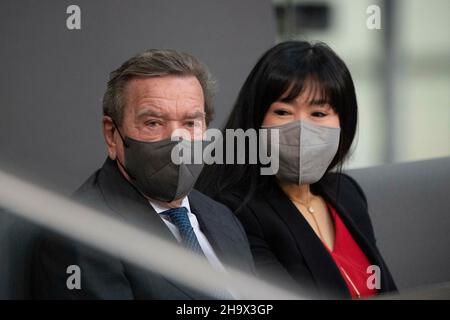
column 282, row 112
column 318, row 114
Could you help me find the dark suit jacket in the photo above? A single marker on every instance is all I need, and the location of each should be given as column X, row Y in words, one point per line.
column 286, row 249
column 107, row 277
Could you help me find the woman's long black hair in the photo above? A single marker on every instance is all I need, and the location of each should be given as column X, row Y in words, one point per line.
column 286, row 68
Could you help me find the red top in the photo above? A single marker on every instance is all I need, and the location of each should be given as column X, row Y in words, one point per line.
column 350, row 259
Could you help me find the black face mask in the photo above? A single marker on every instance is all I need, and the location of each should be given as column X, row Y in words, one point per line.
column 152, row 171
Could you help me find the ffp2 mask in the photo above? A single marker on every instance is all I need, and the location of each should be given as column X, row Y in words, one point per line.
column 305, row 150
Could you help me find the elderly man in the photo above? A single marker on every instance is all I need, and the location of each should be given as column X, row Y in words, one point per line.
column 149, row 97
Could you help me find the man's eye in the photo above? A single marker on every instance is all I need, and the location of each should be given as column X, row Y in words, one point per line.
column 152, row 123
column 282, row 112
column 318, row 114
column 193, row 124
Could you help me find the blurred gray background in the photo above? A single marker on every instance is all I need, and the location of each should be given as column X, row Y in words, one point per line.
column 52, row 82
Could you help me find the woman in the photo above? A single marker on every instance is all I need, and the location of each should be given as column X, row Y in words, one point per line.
column 309, row 228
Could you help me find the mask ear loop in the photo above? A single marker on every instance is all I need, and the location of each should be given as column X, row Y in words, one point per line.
column 118, row 131
column 126, row 145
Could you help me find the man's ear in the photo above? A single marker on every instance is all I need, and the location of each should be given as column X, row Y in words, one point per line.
column 108, row 134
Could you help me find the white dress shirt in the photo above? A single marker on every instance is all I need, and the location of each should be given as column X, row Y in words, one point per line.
column 202, row 240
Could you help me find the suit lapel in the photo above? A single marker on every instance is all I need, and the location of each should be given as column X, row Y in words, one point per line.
column 369, row 249
column 217, row 233
column 357, row 235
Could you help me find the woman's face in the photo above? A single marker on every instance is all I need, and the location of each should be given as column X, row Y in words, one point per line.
column 308, row 106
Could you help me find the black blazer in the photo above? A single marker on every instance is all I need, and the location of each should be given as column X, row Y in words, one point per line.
column 287, row 250
column 107, row 277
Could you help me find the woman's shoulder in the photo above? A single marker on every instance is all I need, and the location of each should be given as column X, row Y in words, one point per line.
column 229, row 198
column 344, row 186
column 237, row 199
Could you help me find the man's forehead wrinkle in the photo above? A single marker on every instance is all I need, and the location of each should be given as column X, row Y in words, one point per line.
column 144, row 99
column 161, row 102
column 169, row 95
column 192, row 112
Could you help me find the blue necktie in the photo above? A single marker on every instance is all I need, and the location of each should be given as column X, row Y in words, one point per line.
column 180, row 218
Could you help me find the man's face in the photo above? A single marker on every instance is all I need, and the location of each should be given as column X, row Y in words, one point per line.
column 154, row 108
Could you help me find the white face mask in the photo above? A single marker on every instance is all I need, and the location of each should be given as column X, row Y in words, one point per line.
column 305, row 151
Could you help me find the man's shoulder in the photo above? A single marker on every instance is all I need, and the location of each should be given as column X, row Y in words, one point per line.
column 90, row 192
column 88, row 187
